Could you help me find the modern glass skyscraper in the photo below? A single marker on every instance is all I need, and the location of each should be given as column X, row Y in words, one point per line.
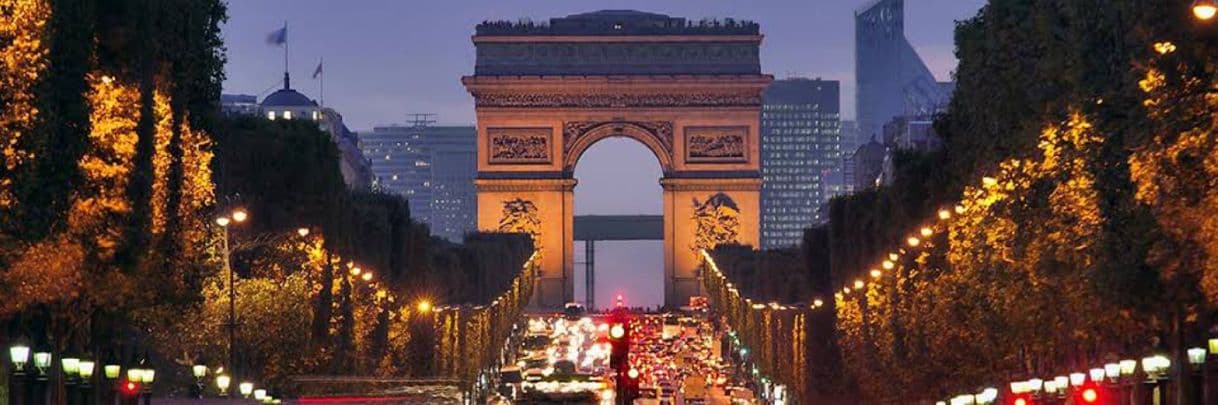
column 431, row 166
column 800, row 144
column 891, row 78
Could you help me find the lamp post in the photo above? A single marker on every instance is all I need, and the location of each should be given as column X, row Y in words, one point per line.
column 71, row 367
column 238, row 216
column 85, row 370
column 149, row 376
column 1156, row 368
column 19, row 354
column 246, row 388
column 1196, row 362
column 222, row 384
column 111, row 373
column 198, row 371
column 38, row 384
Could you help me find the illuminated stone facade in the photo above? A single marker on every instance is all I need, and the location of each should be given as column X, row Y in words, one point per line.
column 699, row 117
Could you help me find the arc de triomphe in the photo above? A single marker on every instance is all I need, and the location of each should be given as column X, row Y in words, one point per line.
column 689, row 92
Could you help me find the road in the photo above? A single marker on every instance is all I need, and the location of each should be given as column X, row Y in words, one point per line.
column 566, row 359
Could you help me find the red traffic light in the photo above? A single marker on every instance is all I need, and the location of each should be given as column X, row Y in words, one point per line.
column 617, row 331
column 130, row 388
column 1090, row 395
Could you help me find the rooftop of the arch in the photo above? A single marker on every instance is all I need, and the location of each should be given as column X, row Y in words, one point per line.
column 617, row 42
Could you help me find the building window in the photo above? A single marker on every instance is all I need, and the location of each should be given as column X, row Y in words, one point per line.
column 270, row 115
column 315, row 116
column 287, row 115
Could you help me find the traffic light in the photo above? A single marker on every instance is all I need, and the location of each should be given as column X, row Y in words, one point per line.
column 129, row 389
column 1020, row 399
column 628, row 386
column 1090, row 393
column 619, row 343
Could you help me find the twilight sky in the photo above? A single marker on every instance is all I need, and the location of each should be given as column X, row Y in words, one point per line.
column 388, row 58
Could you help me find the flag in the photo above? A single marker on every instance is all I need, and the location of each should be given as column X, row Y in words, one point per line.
column 317, row 72
column 278, row 37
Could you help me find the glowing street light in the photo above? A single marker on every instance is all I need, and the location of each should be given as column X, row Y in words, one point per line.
column 85, row 368
column 1205, row 10
column 303, row 232
column 222, row 383
column 112, row 371
column 19, row 354
column 1196, row 357
column 222, row 221
column 1127, row 366
column 424, row 306
column 240, row 215
column 42, row 362
column 246, row 389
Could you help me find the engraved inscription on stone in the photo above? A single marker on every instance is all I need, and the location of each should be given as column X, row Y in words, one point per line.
column 519, row 145
column 716, row 144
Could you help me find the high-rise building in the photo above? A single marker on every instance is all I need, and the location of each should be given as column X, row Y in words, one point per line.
column 800, row 144
column 891, row 78
column 431, row 166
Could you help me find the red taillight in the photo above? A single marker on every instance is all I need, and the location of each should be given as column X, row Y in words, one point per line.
column 1021, row 401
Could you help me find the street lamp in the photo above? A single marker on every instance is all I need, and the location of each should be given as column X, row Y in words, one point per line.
column 19, row 354
column 1196, row 357
column 424, row 306
column 222, row 383
column 199, row 371
column 42, row 362
column 239, row 215
column 260, row 394
column 303, row 232
column 1077, row 379
column 1204, row 10
column 85, row 368
column 246, row 388
column 111, row 371
column 1097, row 374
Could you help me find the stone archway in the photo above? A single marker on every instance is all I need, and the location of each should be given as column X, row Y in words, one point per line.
column 698, row 114
column 579, row 136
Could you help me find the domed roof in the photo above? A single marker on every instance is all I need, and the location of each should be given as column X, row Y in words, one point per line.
column 287, row 98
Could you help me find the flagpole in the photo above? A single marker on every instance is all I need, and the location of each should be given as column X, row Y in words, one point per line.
column 285, row 49
column 322, row 65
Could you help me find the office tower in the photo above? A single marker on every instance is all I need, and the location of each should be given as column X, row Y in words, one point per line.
column 800, row 144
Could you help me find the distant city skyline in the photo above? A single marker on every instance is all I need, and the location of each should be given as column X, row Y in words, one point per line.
column 385, row 59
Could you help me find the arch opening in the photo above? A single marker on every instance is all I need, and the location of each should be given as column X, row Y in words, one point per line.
column 619, row 176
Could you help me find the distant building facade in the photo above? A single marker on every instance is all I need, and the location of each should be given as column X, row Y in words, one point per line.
column 911, row 133
column 800, row 145
column 868, row 164
column 891, row 79
column 431, row 166
column 238, row 104
column 289, row 104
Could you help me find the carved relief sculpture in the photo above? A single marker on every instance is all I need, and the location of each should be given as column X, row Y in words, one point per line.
column 716, row 222
column 661, row 131
column 716, row 144
column 522, row 216
column 519, row 145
